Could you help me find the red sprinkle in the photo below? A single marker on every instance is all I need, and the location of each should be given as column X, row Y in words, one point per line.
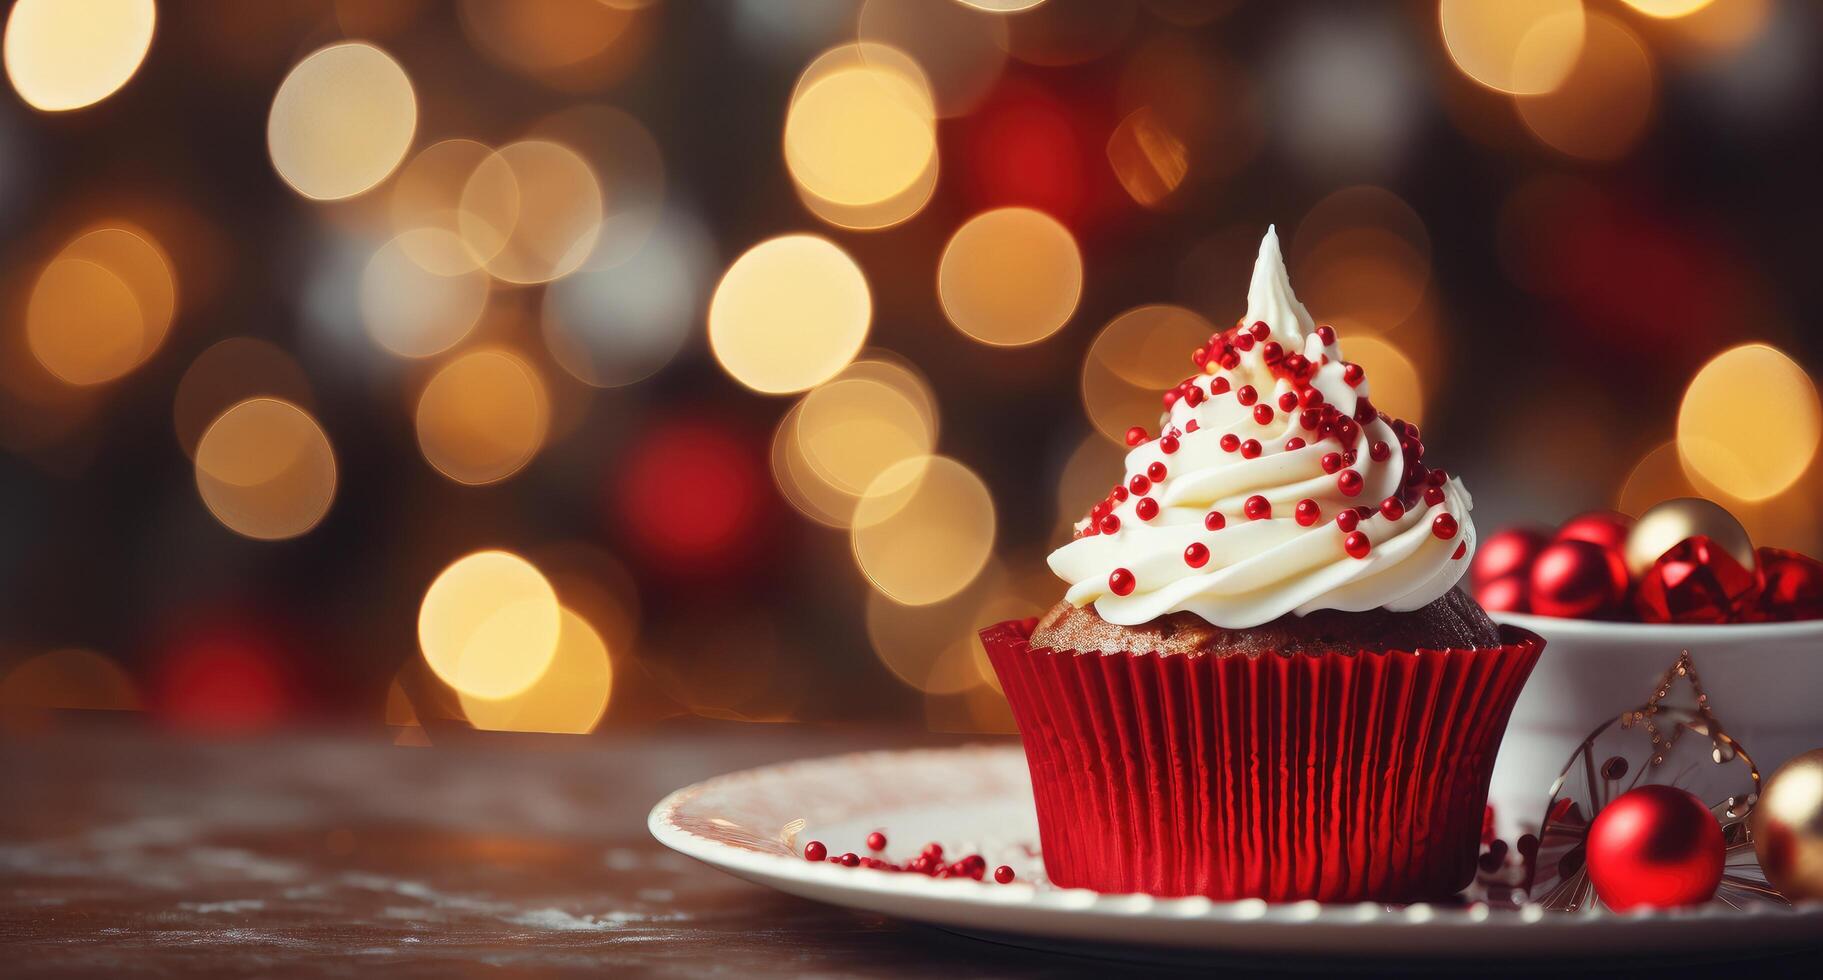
column 1262, row 413
column 1444, row 526
column 1332, row 462
column 1156, row 472
column 1357, row 545
column 1295, row 442
column 1379, row 451
column 1170, row 398
column 1146, row 509
column 1257, row 508
column 1246, row 394
column 1193, row 396
column 1168, row 444
column 1353, row 374
column 1308, row 512
column 1120, row 582
column 876, row 841
column 1349, row 483
column 1214, row 520
column 1310, row 398
column 1120, row 492
column 850, row 860
column 1393, row 508
column 1190, row 426
column 1196, row 555
column 1433, row 495
column 1244, row 342
column 1260, row 329
column 1003, row 874
column 1309, row 419
column 1327, row 334
column 1109, row 524
column 1288, row 401
column 1273, row 352
column 815, row 851
column 1230, row 442
column 1139, row 484
column 1219, row 386
column 1135, row 436
column 1250, row 448
column 1348, row 520
column 1461, row 549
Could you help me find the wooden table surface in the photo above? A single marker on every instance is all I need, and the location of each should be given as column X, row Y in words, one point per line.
column 129, row 853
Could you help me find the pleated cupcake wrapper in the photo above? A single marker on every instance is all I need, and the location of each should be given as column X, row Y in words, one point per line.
column 1333, row 776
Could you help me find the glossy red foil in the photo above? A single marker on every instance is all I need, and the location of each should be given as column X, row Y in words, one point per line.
column 1339, row 776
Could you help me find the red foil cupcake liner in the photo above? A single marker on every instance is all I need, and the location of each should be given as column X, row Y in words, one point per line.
column 1337, row 776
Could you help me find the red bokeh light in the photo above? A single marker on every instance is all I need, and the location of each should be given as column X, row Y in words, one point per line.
column 693, row 498
column 223, row 678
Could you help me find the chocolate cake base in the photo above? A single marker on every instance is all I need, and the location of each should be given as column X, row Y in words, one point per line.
column 1453, row 621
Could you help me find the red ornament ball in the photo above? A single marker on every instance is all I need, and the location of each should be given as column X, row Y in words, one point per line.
column 1508, row 594
column 1793, row 586
column 1504, row 554
column 1696, row 581
column 1655, row 847
column 1576, row 580
column 1603, row 527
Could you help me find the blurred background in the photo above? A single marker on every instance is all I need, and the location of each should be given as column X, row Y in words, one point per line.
column 555, row 365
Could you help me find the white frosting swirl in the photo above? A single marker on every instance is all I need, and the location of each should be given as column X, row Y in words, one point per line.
column 1253, row 569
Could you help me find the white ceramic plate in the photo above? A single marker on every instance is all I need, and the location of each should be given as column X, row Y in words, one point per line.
column 978, row 799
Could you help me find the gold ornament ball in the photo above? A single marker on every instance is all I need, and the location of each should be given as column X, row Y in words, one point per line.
column 1665, row 524
column 1787, row 826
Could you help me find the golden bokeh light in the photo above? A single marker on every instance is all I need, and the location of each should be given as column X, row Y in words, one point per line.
column 861, row 129
column 409, row 309
column 229, row 372
column 1392, row 379
column 789, row 314
column 569, row 44
column 961, row 50
column 1138, row 355
column 934, row 648
column 1657, row 477
column 265, row 469
column 1010, row 277
column 1667, row 9
column 102, row 306
column 877, row 412
column 1602, row 107
column 1364, row 279
column 1749, row 422
column 489, row 625
column 427, row 196
column 1090, row 470
column 342, row 121
column 71, row 679
column 923, row 530
column 615, row 324
column 1001, row 6
column 628, row 165
column 569, row 698
column 532, row 211
column 1149, row 160
column 1787, row 520
column 483, row 416
column 1521, row 47
column 66, row 54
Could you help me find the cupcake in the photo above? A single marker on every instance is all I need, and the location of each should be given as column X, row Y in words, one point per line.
column 1262, row 681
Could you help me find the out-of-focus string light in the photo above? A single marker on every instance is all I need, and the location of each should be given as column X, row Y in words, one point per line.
column 789, row 314
column 265, row 469
column 426, row 197
column 1667, row 9
column 483, row 416
column 532, row 210
column 412, row 310
column 1148, row 159
column 923, row 530
column 66, row 54
column 342, row 121
column 570, row 697
column 489, row 625
column 1521, row 47
column 961, row 49
column 574, row 45
column 1602, row 106
column 610, row 325
column 933, row 648
column 861, row 128
column 1010, row 277
column 869, row 419
column 626, row 161
column 229, row 372
column 1749, row 422
column 1392, row 378
column 68, row 679
column 1137, row 355
column 102, row 306
column 1366, row 255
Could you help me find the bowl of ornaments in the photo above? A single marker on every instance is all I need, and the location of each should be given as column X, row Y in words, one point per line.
column 1619, row 599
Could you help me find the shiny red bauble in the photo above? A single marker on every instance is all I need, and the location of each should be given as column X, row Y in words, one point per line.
column 1696, row 581
column 1603, row 527
column 1577, row 579
column 1507, row 553
column 1655, row 847
column 1505, row 594
column 1792, row 586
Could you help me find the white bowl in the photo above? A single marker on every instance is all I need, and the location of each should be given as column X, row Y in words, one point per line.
column 1764, row 681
